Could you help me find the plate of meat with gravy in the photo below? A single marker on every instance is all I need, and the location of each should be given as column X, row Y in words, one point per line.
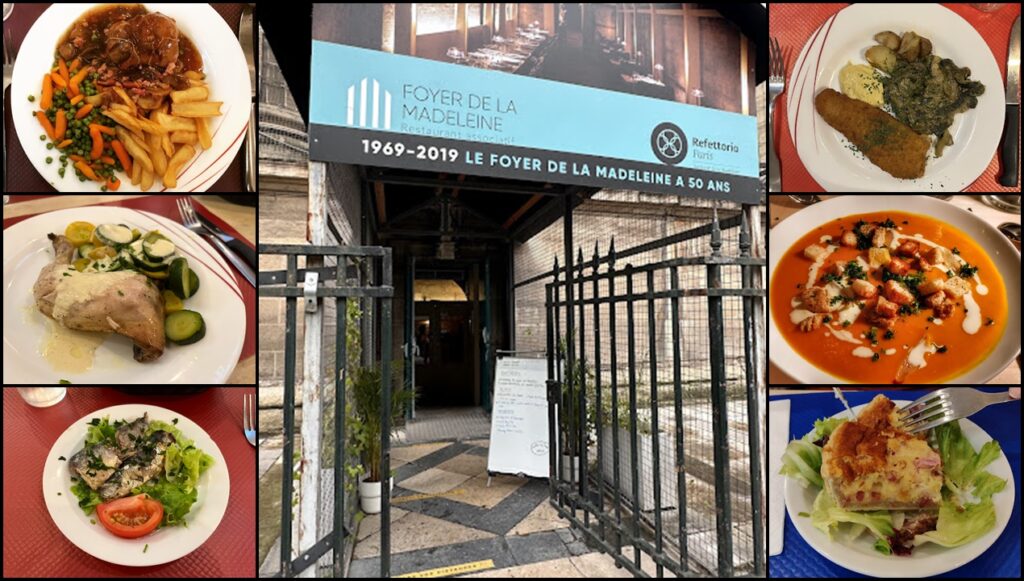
column 130, row 97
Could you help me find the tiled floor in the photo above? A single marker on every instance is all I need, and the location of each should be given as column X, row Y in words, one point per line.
column 446, row 514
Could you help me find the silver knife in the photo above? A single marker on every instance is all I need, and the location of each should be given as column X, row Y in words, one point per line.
column 1008, row 153
column 245, row 38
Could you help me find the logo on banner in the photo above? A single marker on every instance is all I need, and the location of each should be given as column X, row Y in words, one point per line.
column 669, row 143
column 368, row 105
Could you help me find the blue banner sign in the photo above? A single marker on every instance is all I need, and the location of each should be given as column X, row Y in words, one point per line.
column 376, row 108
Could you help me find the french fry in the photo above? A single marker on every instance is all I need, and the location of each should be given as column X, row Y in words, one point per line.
column 203, row 130
column 147, row 180
column 124, row 97
column 203, row 109
column 190, row 95
column 137, row 151
column 124, row 119
column 187, row 137
column 136, row 174
column 171, row 123
column 182, row 156
column 156, row 152
column 196, row 83
column 195, row 75
column 165, row 142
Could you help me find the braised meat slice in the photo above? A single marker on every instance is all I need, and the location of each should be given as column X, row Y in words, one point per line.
column 148, row 39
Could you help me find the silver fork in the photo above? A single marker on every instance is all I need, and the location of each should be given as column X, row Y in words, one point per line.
column 945, row 405
column 776, row 84
column 249, row 417
column 189, row 220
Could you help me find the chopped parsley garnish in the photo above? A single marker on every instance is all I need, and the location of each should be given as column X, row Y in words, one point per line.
column 887, row 224
column 874, row 357
column 872, row 336
column 989, row 322
column 854, row 270
column 62, row 458
column 889, row 334
column 846, row 323
column 967, row 271
column 941, row 349
column 832, row 278
column 956, row 251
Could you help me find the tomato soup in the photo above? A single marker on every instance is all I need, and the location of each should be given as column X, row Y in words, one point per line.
column 889, row 297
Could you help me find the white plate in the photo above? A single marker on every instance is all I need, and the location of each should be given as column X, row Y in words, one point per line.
column 219, row 300
column 843, row 38
column 166, row 544
column 1003, row 255
column 926, row 560
column 223, row 63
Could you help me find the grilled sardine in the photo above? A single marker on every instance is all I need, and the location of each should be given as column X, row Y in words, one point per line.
column 147, row 462
column 95, row 464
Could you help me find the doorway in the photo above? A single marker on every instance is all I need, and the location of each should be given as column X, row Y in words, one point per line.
column 444, row 361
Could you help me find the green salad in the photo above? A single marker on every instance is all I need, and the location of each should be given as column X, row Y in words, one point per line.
column 167, row 472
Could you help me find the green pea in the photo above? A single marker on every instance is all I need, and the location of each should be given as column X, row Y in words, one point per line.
column 49, row 146
column 60, row 172
column 31, row 98
column 49, row 160
column 42, row 138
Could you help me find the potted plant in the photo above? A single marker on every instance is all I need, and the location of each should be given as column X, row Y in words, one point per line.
column 366, row 385
column 570, row 446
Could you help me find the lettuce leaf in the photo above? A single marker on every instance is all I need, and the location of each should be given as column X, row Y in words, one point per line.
column 963, row 467
column 176, row 501
column 183, row 462
column 956, row 527
column 826, row 516
column 802, row 458
column 100, row 431
column 88, row 499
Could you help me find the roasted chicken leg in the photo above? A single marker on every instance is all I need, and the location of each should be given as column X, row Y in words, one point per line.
column 123, row 302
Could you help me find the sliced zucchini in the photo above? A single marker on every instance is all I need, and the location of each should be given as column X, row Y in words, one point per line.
column 195, row 281
column 143, row 262
column 154, row 274
column 113, row 234
column 85, row 249
column 82, row 263
column 172, row 304
column 180, row 279
column 136, row 234
column 158, row 249
column 185, row 327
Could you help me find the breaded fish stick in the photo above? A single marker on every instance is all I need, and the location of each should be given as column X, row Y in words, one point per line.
column 885, row 141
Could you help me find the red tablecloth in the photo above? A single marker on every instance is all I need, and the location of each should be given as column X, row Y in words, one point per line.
column 166, row 206
column 793, row 24
column 34, row 547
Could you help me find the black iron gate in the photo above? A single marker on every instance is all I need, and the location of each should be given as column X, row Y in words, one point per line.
column 681, row 336
column 361, row 273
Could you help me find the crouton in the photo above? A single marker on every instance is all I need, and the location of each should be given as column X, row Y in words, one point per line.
column 815, row 299
column 811, row 323
column 931, row 286
column 935, row 300
column 897, row 293
column 944, row 310
column 867, row 228
column 908, row 248
column 878, row 257
column 886, row 309
column 838, row 267
column 956, row 287
column 897, row 266
column 849, row 239
column 814, row 252
column 863, row 289
column 883, row 237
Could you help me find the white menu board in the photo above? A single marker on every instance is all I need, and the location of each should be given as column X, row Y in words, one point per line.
column 519, row 420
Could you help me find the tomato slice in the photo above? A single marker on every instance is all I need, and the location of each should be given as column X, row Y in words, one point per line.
column 131, row 517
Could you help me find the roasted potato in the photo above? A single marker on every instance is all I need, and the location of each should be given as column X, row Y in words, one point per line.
column 910, row 46
column 882, row 58
column 888, row 39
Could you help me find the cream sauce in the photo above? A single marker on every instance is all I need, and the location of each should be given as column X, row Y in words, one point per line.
column 69, row 350
column 863, row 352
column 972, row 318
column 916, row 356
column 80, row 287
column 844, row 335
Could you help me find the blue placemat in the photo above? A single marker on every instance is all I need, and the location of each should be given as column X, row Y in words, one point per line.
column 1002, row 422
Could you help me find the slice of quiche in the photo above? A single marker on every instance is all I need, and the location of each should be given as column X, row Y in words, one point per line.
column 871, row 464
